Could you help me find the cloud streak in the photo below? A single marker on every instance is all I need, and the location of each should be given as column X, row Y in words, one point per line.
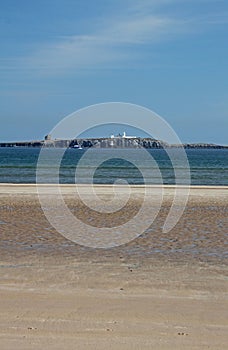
column 120, row 40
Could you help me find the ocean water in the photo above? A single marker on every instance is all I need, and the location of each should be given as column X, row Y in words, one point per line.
column 207, row 166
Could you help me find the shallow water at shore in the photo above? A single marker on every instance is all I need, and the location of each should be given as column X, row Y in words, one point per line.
column 200, row 234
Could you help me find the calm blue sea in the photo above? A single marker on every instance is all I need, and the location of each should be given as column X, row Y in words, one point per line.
column 208, row 166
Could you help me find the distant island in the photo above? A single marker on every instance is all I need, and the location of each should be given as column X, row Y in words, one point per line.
column 119, row 141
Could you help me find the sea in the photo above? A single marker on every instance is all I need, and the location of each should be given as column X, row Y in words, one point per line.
column 206, row 166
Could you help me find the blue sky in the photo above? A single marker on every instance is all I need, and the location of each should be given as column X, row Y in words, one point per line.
column 167, row 55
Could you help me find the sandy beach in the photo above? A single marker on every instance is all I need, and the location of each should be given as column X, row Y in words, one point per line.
column 159, row 291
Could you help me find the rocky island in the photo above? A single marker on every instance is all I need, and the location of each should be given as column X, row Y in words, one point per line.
column 119, row 141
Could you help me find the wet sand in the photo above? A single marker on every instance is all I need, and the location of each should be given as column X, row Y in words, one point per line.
column 160, row 291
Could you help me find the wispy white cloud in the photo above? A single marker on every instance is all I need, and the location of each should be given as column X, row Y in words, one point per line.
column 119, row 39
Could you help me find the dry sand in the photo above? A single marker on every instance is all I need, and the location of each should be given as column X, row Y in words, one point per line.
column 157, row 292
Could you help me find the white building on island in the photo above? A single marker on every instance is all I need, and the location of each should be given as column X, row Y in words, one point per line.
column 124, row 136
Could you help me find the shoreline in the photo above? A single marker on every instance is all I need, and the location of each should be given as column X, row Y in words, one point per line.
column 136, row 192
column 30, row 186
column 109, row 185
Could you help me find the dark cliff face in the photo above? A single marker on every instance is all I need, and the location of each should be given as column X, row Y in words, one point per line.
column 135, row 143
column 118, row 143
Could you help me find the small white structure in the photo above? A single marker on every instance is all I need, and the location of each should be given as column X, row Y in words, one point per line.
column 128, row 137
column 124, row 136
